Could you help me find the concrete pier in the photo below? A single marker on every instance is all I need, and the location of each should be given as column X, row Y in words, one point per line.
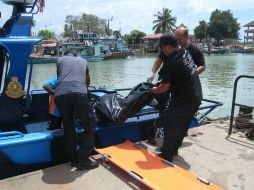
column 207, row 152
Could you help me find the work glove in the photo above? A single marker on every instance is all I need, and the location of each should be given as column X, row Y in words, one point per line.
column 150, row 77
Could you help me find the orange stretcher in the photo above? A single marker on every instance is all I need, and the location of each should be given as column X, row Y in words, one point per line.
column 151, row 170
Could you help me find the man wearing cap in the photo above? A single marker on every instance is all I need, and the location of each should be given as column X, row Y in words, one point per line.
column 183, row 38
column 197, row 55
column 181, row 78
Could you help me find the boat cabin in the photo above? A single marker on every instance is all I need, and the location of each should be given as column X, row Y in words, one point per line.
column 87, row 36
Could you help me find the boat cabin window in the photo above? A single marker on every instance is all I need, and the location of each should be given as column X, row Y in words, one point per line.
column 4, row 68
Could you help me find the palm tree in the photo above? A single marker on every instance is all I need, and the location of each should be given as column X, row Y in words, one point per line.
column 164, row 23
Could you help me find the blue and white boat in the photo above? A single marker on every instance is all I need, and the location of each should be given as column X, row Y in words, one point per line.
column 50, row 52
column 25, row 142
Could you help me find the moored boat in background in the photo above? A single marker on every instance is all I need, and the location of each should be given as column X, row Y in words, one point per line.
column 46, row 52
column 217, row 50
column 248, row 49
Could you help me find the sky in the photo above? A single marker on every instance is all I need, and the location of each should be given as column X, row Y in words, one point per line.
column 129, row 15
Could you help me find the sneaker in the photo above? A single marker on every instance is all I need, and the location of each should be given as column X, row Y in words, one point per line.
column 152, row 141
column 159, row 149
column 87, row 164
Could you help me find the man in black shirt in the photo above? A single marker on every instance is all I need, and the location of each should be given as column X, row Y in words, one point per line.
column 197, row 55
column 183, row 38
column 181, row 78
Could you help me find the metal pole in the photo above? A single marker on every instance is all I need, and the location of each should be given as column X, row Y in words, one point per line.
column 108, row 27
column 233, row 101
column 233, row 106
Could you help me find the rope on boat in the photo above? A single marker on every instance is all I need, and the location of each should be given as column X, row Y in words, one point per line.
column 244, row 122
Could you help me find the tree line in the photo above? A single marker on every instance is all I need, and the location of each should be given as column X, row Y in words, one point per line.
column 221, row 25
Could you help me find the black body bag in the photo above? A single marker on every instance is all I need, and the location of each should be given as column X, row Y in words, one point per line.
column 114, row 108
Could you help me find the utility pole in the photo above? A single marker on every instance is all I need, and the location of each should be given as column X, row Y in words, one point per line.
column 108, row 25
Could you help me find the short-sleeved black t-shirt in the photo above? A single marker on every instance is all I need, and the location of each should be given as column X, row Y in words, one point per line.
column 179, row 70
column 164, row 58
column 196, row 54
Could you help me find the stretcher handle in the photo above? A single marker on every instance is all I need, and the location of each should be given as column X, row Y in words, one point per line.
column 137, row 146
column 135, row 175
column 168, row 162
column 204, row 181
column 106, row 157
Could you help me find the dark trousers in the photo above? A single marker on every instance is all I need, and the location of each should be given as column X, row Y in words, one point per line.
column 54, row 122
column 163, row 101
column 78, row 103
column 176, row 121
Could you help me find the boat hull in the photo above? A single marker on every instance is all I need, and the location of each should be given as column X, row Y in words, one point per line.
column 43, row 60
column 37, row 147
column 23, row 153
column 93, row 59
column 118, row 55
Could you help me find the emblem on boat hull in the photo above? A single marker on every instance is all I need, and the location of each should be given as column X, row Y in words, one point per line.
column 14, row 88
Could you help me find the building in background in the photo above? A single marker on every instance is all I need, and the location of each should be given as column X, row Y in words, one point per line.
column 249, row 34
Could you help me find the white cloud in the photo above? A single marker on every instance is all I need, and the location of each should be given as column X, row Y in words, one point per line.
column 134, row 14
column 200, row 6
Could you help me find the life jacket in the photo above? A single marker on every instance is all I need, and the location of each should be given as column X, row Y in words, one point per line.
column 53, row 109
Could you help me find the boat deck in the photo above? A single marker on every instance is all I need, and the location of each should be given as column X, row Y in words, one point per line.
column 207, row 152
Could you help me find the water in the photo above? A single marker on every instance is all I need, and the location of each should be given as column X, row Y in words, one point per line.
column 217, row 81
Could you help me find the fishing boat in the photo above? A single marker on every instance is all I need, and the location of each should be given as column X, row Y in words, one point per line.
column 37, row 59
column 26, row 144
column 114, row 48
column 42, row 59
column 119, row 53
column 48, row 51
column 217, row 50
column 248, row 49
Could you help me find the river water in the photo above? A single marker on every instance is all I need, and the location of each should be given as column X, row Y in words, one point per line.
column 217, row 81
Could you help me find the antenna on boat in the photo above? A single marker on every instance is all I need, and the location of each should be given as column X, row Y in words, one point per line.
column 21, row 6
column 108, row 31
column 22, row 17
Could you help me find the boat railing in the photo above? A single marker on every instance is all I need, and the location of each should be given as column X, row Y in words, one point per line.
column 234, row 103
column 201, row 116
column 208, row 106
